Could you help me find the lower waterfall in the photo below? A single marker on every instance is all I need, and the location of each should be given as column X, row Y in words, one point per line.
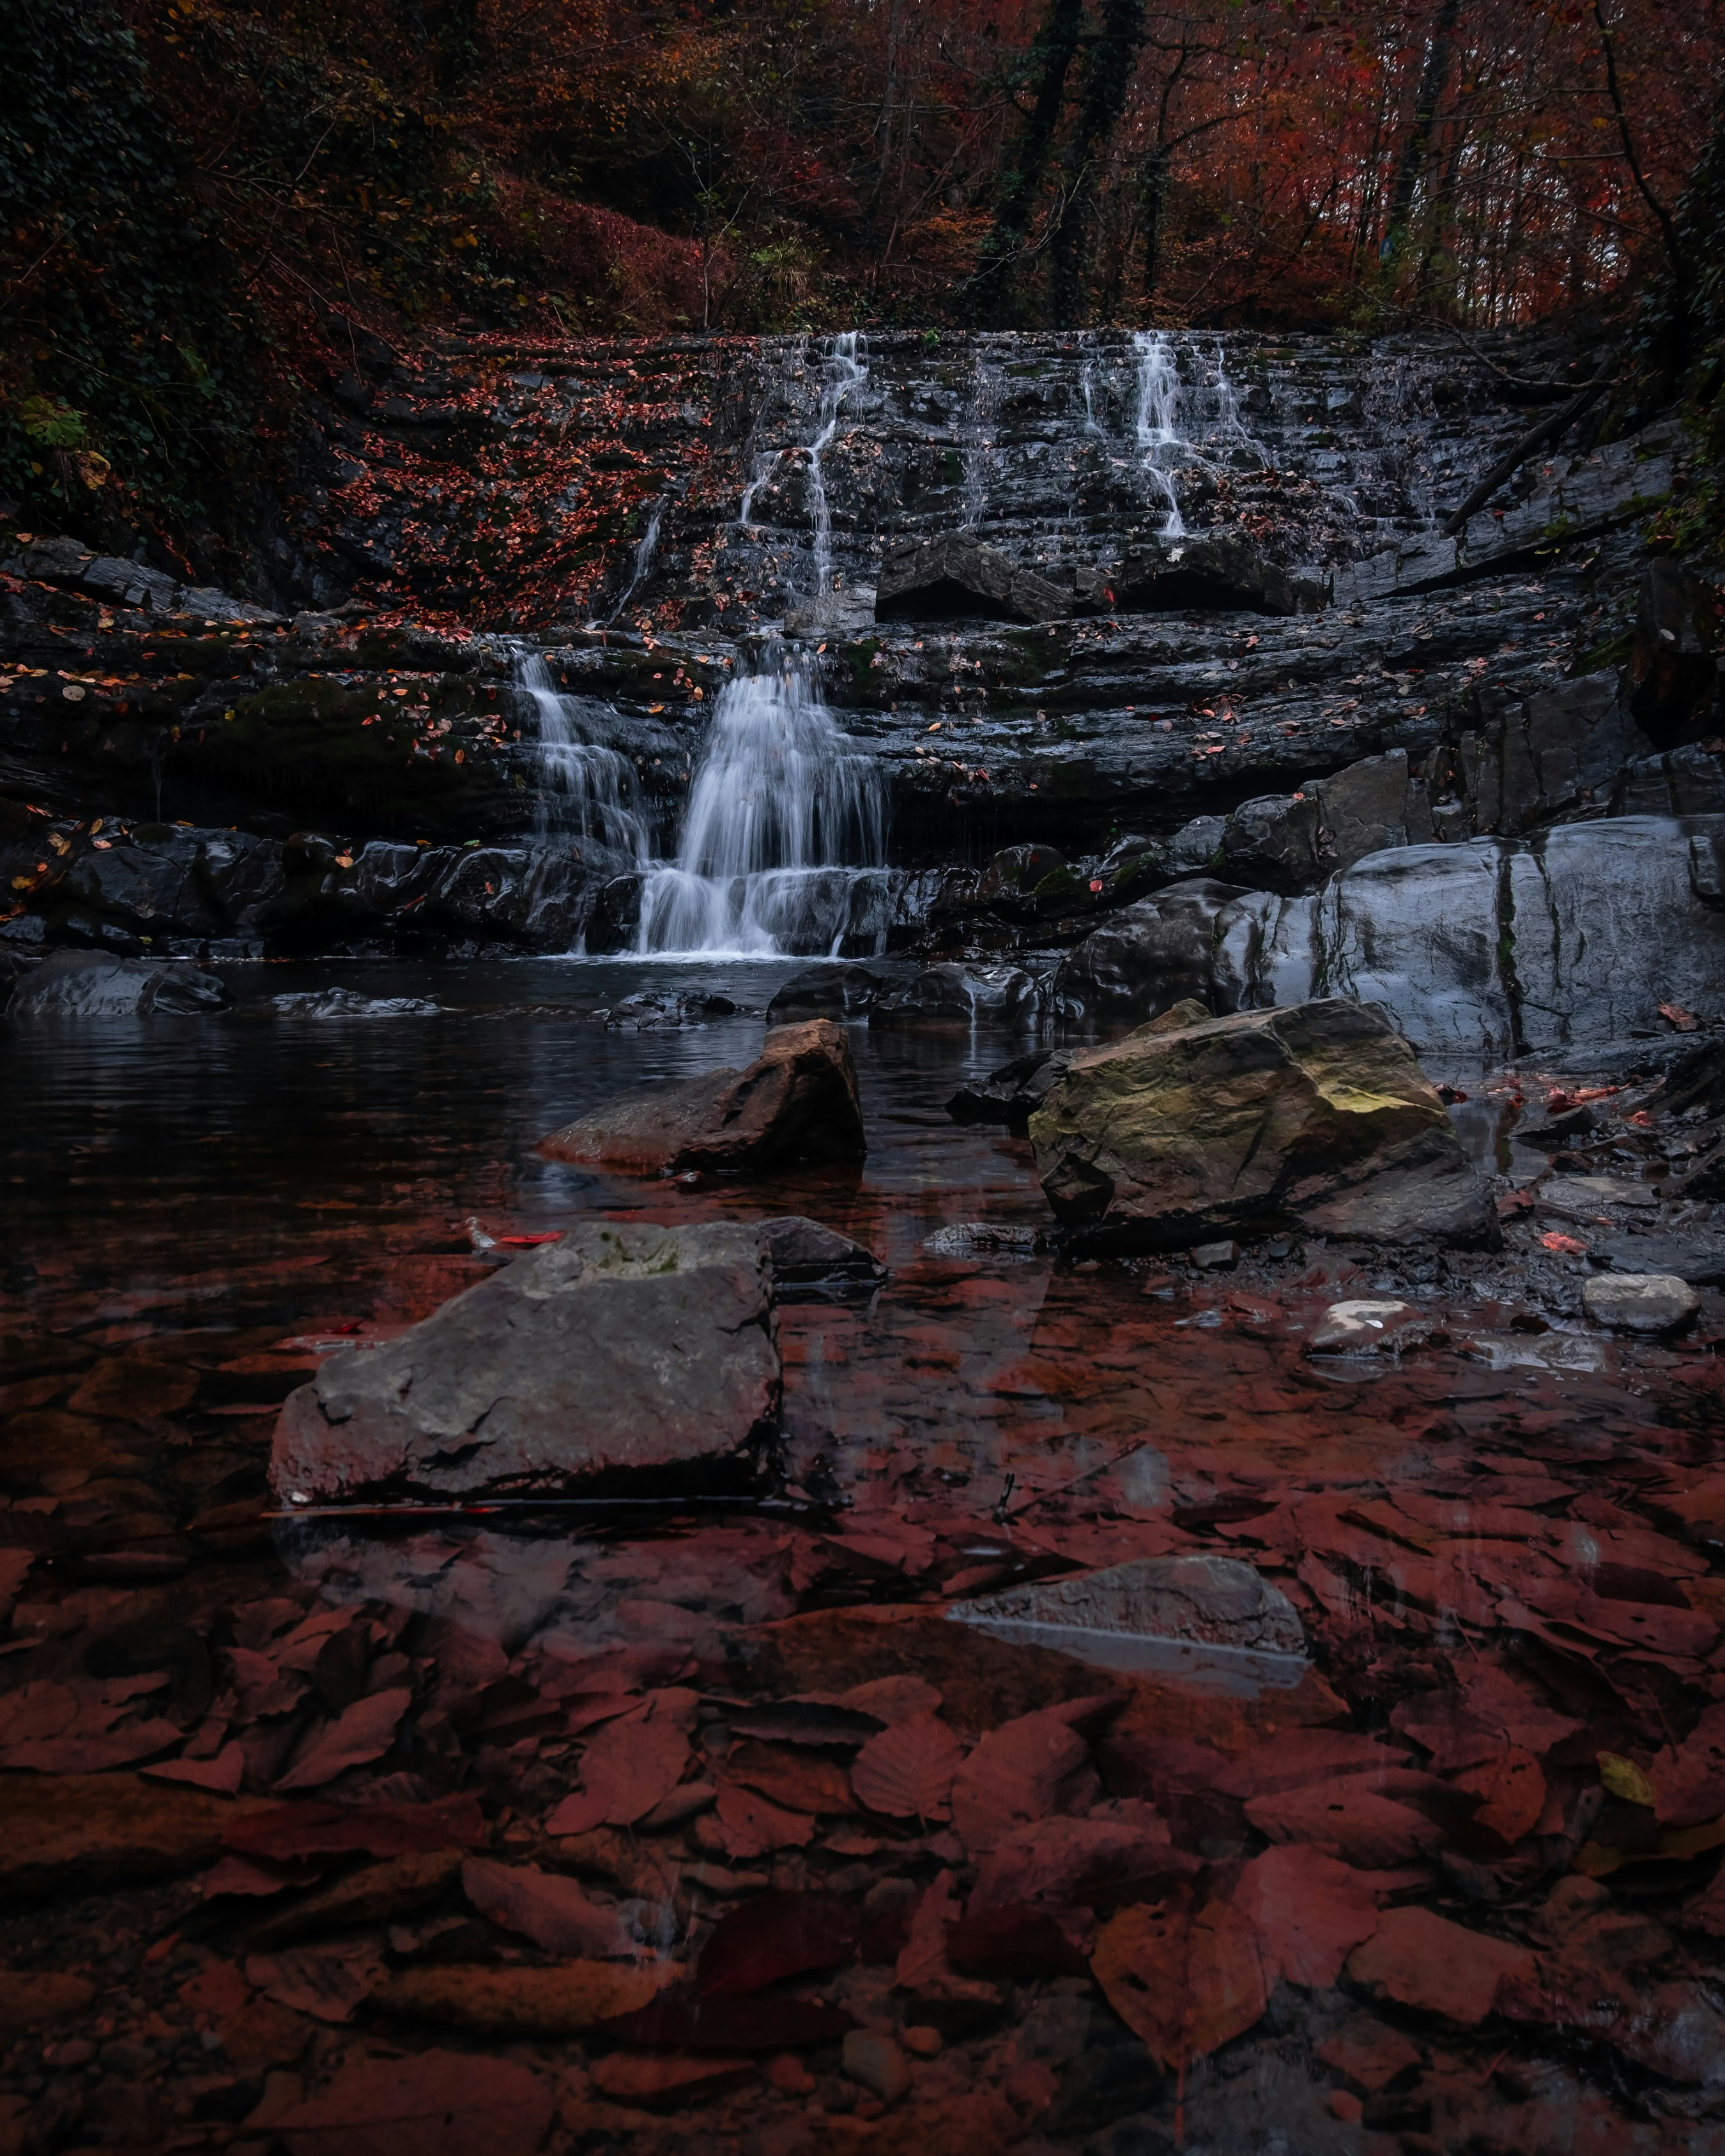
column 783, row 848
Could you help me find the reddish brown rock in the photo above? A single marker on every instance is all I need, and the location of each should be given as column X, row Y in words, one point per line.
column 798, row 1102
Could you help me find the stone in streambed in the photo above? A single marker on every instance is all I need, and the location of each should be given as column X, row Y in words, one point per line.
column 1014, row 1093
column 797, row 1103
column 622, row 1355
column 813, row 1263
column 1314, row 1117
column 1640, row 1302
column 951, row 994
column 90, row 984
column 834, row 992
column 1210, row 1618
column 1368, row 1328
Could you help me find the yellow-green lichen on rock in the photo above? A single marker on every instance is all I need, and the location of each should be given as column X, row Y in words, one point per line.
column 1315, row 1117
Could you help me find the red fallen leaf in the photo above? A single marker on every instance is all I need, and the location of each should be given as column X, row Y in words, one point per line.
column 801, row 1781
column 1564, row 1245
column 1685, row 1021
column 547, row 1907
column 749, row 1825
column 1184, row 1981
column 1023, row 1770
column 1488, row 1712
column 328, row 1985
column 1081, row 1862
column 1296, row 1758
column 659, row 2084
column 312, row 1830
column 437, row 2103
column 355, row 1738
column 527, row 1242
column 1421, row 1959
column 1689, row 1778
column 923, row 1962
column 223, row 1772
column 807, row 1721
column 1347, row 1820
column 1513, row 1791
column 1309, row 1912
column 906, row 1772
column 753, row 2023
column 628, row 1768
column 1013, row 1940
column 773, row 1937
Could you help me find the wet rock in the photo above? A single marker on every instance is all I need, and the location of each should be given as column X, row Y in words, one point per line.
column 1688, row 781
column 1221, row 573
column 952, row 995
column 1315, row 1115
column 619, row 1355
column 1214, row 1257
column 80, row 984
column 1196, row 846
column 834, row 992
column 809, row 1260
column 1363, row 1328
column 954, row 577
column 1674, row 661
column 1529, row 760
column 348, row 1003
column 1211, row 1615
column 964, row 1239
column 1010, row 1095
column 797, row 1103
column 1700, row 1260
column 1640, row 1302
column 1484, row 951
column 876, row 2063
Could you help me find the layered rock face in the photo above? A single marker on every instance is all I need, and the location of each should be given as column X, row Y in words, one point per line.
column 622, row 1355
column 1315, row 1117
column 1117, row 662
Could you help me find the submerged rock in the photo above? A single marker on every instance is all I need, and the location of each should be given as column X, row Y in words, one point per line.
column 1315, row 1117
column 90, row 984
column 621, row 1355
column 812, row 1262
column 834, row 991
column 1640, row 1302
column 798, row 1102
column 1192, row 1616
column 951, row 994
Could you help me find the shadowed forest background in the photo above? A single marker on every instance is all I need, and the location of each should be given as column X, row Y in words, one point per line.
column 203, row 202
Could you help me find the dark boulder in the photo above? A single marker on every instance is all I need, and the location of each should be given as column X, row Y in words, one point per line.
column 91, row 984
column 834, row 992
column 1014, row 1093
column 1674, row 662
column 623, row 1357
column 951, row 994
column 1176, row 947
column 1314, row 1117
column 797, row 1102
column 954, row 577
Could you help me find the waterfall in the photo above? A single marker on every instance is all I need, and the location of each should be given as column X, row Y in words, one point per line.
column 842, row 369
column 585, row 787
column 987, row 383
column 1161, row 449
column 785, row 833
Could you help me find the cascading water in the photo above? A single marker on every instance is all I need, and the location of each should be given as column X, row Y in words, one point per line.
column 644, row 547
column 1162, row 448
column 845, row 366
column 585, row 787
column 785, row 836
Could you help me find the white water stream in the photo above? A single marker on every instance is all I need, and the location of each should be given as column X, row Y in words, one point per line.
column 587, row 786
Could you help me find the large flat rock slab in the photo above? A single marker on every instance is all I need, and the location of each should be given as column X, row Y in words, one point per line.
column 797, row 1103
column 624, row 1356
column 1313, row 1117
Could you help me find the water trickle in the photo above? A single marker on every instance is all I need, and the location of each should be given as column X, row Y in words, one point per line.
column 1162, row 448
column 644, row 547
column 987, row 383
column 586, row 787
column 785, row 838
column 845, row 368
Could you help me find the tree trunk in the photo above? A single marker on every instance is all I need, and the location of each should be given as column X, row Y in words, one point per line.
column 1107, row 81
column 1411, row 168
column 1056, row 44
column 1153, row 185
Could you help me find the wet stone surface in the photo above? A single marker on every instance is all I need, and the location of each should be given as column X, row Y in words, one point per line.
column 793, row 1821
